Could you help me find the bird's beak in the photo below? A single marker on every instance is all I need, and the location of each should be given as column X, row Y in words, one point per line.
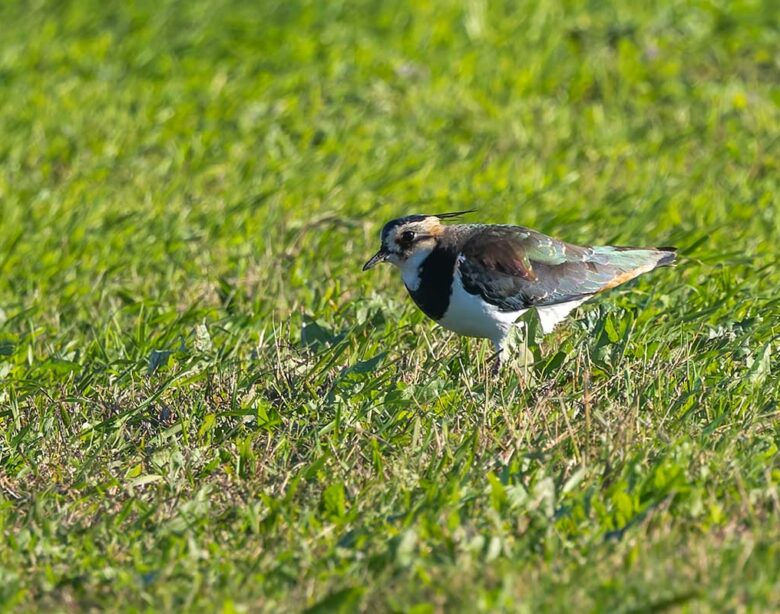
column 380, row 256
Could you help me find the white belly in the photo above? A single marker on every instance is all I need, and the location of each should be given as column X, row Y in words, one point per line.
column 470, row 316
column 551, row 315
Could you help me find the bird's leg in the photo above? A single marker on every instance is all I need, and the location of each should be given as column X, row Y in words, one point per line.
column 496, row 368
column 498, row 346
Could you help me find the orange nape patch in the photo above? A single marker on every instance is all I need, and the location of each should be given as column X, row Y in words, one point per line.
column 627, row 276
column 431, row 225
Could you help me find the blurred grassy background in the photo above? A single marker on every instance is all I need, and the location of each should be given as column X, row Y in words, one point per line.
column 204, row 404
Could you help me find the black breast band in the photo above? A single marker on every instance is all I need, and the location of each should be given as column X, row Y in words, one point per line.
column 433, row 293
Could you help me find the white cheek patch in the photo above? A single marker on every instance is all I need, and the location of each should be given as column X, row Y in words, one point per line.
column 410, row 268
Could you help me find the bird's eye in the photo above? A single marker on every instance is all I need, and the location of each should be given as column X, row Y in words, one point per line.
column 407, row 236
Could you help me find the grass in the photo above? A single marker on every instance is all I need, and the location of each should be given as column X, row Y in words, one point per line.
column 205, row 405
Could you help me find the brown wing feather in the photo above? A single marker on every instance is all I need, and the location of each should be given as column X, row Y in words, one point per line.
column 503, row 258
column 501, row 252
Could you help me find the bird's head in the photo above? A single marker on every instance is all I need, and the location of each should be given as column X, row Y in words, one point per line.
column 408, row 237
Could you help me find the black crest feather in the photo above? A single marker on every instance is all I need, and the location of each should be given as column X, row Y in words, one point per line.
column 444, row 216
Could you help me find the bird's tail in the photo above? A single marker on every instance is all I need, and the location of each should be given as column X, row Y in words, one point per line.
column 626, row 263
column 668, row 256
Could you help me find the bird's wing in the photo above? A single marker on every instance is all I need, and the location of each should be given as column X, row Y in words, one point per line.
column 514, row 268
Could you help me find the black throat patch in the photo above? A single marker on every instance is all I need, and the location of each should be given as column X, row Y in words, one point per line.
column 436, row 272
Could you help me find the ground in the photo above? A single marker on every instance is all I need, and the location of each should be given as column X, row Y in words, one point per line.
column 206, row 405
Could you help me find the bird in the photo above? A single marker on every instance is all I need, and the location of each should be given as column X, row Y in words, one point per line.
column 477, row 280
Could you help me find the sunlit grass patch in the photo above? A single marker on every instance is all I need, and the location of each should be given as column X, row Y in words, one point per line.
column 205, row 405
